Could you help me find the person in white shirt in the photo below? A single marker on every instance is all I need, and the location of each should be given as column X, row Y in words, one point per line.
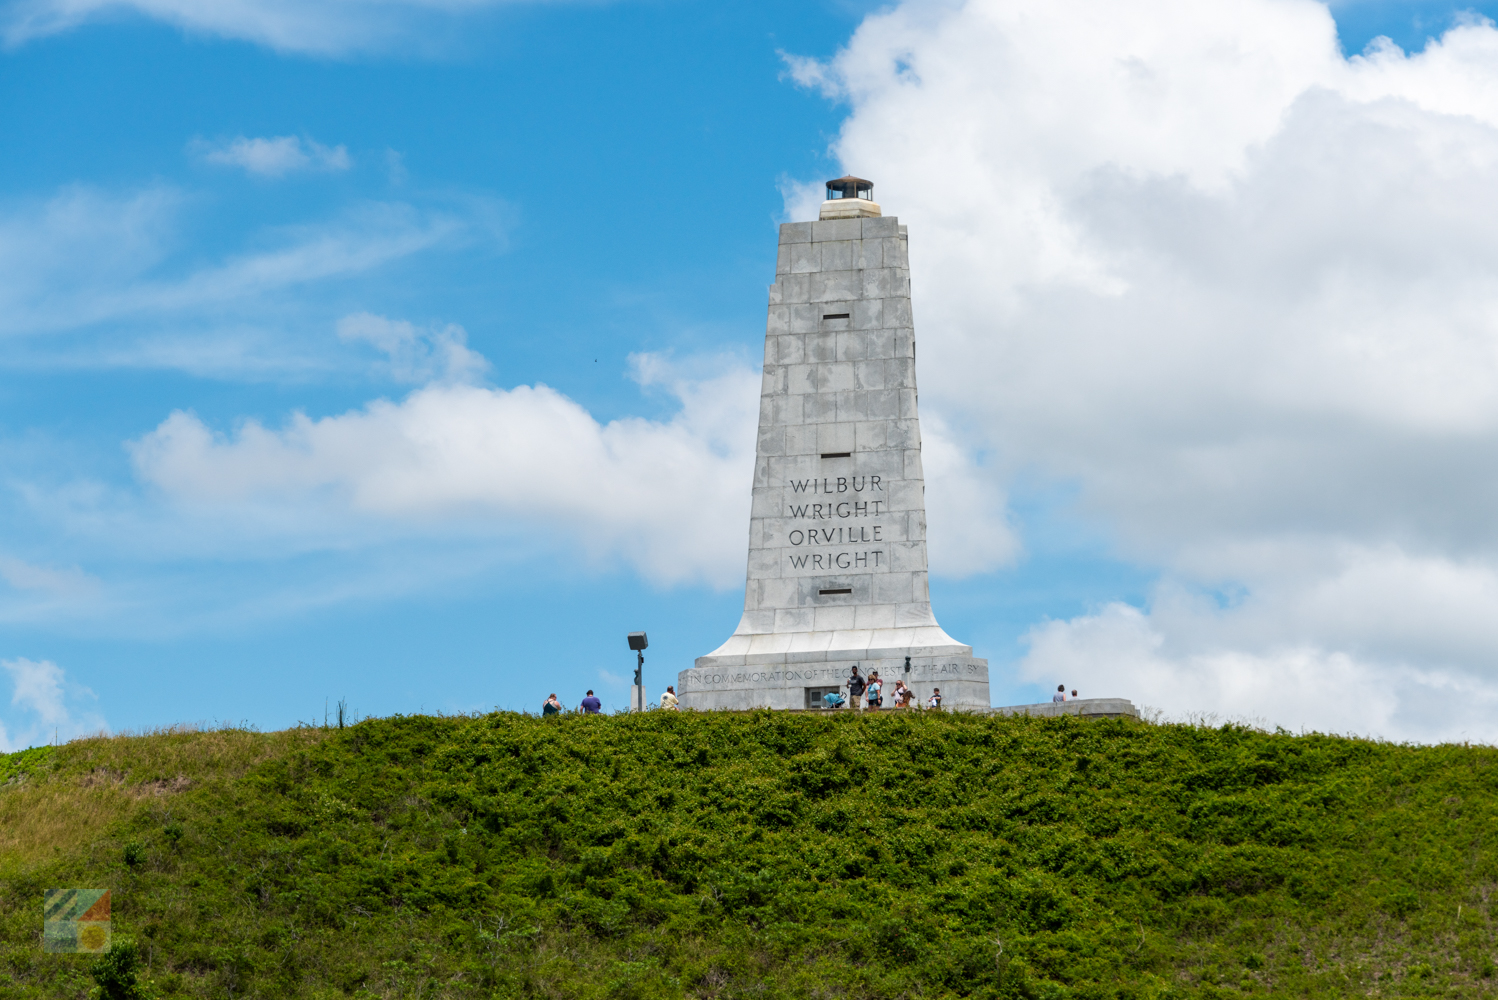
column 668, row 700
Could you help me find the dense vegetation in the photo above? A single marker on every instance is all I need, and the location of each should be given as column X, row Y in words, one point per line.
column 728, row 855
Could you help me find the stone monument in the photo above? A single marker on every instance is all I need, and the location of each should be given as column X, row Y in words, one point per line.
column 837, row 532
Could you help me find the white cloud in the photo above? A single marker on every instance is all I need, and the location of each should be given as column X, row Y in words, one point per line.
column 105, row 271
column 65, row 582
column 312, row 26
column 41, row 692
column 667, row 496
column 416, row 355
column 1234, row 291
column 275, row 157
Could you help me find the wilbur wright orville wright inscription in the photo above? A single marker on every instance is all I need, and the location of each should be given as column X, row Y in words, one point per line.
column 837, row 532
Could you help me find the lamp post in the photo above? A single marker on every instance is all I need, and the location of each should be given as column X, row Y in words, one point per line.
column 638, row 643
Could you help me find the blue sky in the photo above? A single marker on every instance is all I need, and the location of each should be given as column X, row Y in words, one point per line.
column 574, row 186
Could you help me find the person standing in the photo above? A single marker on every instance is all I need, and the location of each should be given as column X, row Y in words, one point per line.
column 934, row 702
column 902, row 695
column 668, row 700
column 875, row 691
column 855, row 689
column 1060, row 694
column 551, row 706
column 591, row 704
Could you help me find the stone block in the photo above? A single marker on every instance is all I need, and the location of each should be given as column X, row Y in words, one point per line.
column 790, row 349
column 838, row 375
column 900, row 373
column 834, row 438
column 799, row 379
column 874, row 616
column 821, row 347
column 869, row 435
column 804, row 258
column 904, row 434
column 892, row 588
column 796, row 620
column 907, row 557
column 907, row 402
column 764, row 562
column 867, row 314
column 838, row 255
column 885, row 227
column 765, row 503
column 877, row 284
column 831, row 619
column 773, row 381
column 806, row 318
column 913, row 469
column 836, row 229
column 767, row 642
column 772, row 440
column 897, row 312
column 787, row 410
column 795, row 288
column 893, row 252
column 909, row 615
column 852, row 345
column 869, row 375
column 783, row 259
column 901, row 343
column 780, row 592
column 801, row 439
column 884, row 404
column 775, row 294
column 834, row 286
column 757, row 621
column 870, row 254
column 900, row 284
column 920, row 589
column 779, row 321
column 820, row 409
column 906, row 494
column 795, row 232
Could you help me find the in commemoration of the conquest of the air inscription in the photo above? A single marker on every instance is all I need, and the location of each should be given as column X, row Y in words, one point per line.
column 837, row 532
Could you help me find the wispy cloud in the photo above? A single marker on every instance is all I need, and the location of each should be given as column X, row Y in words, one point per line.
column 312, row 26
column 46, row 704
column 65, row 582
column 274, row 157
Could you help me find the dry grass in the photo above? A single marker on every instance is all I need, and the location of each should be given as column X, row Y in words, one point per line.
column 93, row 782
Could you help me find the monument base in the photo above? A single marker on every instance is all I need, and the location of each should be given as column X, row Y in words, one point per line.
column 787, row 670
column 1087, row 708
column 637, row 698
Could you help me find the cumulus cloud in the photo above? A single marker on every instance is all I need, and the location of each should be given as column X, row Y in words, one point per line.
column 669, row 496
column 46, row 705
column 312, row 26
column 1234, row 291
column 275, row 157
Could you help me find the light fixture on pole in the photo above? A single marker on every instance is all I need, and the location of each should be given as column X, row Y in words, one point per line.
column 639, row 644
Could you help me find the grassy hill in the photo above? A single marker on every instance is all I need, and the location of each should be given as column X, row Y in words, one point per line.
column 760, row 855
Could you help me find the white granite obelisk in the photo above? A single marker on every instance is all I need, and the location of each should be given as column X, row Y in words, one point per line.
column 837, row 533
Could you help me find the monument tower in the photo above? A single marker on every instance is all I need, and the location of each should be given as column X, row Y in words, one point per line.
column 837, row 532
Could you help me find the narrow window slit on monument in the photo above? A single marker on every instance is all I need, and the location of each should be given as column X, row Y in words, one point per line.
column 837, row 454
column 835, row 590
column 835, row 315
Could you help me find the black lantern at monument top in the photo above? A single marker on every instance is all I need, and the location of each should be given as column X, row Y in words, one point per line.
column 639, row 643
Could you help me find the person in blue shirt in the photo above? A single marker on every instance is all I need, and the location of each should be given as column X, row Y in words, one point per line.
column 591, row 704
column 1060, row 694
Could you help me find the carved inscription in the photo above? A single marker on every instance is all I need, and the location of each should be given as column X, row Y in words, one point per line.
column 811, row 675
column 868, row 560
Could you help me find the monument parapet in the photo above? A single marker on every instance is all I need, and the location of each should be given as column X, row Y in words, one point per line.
column 837, row 533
